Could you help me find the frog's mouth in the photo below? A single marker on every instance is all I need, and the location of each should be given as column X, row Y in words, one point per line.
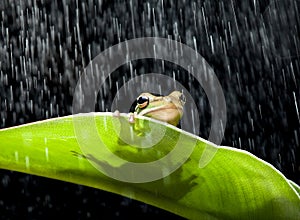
column 170, row 114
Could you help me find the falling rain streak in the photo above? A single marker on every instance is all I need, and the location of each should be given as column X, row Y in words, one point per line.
column 27, row 163
column 296, row 106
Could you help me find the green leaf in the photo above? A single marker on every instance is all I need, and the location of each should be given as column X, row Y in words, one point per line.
column 89, row 149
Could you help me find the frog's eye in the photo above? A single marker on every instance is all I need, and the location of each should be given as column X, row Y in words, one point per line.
column 142, row 102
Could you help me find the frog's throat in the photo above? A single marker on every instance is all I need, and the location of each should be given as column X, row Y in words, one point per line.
column 159, row 108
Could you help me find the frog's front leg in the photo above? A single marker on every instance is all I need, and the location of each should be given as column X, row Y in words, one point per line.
column 138, row 125
column 135, row 125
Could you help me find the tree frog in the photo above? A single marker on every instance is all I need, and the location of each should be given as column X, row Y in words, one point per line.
column 164, row 108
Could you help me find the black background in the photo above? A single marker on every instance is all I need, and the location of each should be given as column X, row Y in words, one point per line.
column 255, row 57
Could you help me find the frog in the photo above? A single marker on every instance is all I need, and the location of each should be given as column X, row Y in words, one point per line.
column 167, row 109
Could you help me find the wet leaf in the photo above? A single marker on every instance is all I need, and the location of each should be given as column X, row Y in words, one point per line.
column 92, row 150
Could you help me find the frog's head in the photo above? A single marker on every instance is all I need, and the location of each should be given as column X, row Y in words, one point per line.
column 164, row 108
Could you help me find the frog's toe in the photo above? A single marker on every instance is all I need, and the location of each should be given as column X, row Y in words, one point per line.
column 116, row 113
column 131, row 118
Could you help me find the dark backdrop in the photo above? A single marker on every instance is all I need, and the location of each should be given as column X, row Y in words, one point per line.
column 45, row 44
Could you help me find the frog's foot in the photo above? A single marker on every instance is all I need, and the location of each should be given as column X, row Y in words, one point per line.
column 131, row 117
column 116, row 113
